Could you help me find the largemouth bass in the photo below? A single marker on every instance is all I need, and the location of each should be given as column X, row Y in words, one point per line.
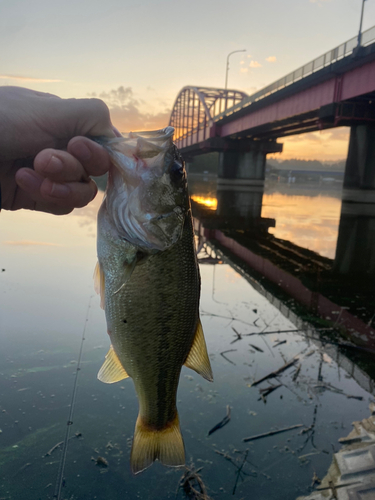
column 149, row 282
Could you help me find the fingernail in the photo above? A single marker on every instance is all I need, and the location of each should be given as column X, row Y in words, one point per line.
column 60, row 190
column 54, row 166
column 81, row 151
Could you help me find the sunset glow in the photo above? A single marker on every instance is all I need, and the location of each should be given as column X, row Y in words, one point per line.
column 308, row 221
column 124, row 52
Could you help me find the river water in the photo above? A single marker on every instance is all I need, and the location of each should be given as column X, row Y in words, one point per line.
column 48, row 304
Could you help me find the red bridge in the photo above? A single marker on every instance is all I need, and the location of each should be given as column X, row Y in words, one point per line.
column 336, row 89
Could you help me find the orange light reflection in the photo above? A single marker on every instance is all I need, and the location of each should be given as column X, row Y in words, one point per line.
column 308, row 221
column 210, row 203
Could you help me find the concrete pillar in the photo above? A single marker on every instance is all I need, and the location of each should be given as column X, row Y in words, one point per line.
column 360, row 163
column 240, row 202
column 244, row 163
column 355, row 251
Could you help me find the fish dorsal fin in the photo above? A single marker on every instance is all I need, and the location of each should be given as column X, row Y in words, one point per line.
column 99, row 284
column 112, row 370
column 198, row 359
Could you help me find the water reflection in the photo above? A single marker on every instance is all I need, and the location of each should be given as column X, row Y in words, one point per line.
column 252, row 328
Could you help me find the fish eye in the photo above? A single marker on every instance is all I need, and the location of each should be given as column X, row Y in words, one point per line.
column 177, row 171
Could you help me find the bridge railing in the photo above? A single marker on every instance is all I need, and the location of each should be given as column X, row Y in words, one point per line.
column 343, row 50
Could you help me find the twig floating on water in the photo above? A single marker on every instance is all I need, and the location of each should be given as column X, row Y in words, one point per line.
column 279, row 343
column 265, row 392
column 256, row 348
column 276, row 372
column 239, row 336
column 271, row 433
column 295, row 330
column 229, row 350
column 223, row 422
column 296, row 373
column 76, row 435
column 21, row 469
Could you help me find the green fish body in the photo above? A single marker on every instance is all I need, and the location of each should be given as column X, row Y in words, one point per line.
column 148, row 277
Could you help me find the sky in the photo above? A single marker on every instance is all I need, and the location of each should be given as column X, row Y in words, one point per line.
column 137, row 54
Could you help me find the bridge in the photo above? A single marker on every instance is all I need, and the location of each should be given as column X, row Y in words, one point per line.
column 335, row 89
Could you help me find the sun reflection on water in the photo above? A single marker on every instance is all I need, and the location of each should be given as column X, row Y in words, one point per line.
column 210, row 203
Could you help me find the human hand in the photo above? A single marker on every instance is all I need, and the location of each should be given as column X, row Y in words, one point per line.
column 45, row 160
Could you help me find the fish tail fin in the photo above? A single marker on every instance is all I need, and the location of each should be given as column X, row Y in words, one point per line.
column 150, row 444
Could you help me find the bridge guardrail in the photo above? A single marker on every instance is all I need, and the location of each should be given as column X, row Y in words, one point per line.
column 343, row 50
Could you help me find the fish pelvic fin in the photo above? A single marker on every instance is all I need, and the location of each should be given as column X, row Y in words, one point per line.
column 99, row 284
column 150, row 444
column 198, row 359
column 112, row 370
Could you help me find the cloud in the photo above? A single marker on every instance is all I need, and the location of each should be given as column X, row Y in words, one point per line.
column 28, row 79
column 126, row 114
column 30, row 243
column 271, row 59
column 244, row 70
column 255, row 64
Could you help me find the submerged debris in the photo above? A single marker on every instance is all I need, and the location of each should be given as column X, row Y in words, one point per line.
column 101, row 462
column 192, row 484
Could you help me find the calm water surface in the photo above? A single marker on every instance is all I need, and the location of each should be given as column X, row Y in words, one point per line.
column 47, row 301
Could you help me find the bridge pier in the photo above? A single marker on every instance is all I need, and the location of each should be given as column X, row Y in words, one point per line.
column 359, row 179
column 244, row 164
column 356, row 240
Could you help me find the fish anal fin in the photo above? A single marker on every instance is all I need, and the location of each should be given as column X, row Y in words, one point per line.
column 112, row 370
column 99, row 284
column 150, row 444
column 198, row 359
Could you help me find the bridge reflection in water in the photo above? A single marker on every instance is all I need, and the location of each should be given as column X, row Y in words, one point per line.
column 334, row 291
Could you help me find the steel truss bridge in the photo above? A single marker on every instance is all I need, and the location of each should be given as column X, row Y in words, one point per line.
column 334, row 89
column 195, row 109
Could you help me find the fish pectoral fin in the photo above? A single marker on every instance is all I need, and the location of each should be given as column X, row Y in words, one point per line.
column 112, row 370
column 99, row 284
column 198, row 359
column 127, row 272
column 150, row 444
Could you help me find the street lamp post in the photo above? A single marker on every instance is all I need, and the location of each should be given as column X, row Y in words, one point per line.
column 360, row 25
column 226, row 74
